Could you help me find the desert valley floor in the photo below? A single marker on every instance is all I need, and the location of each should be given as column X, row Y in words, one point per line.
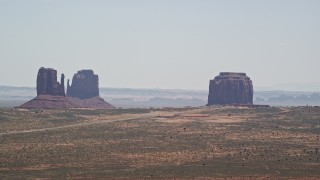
column 180, row 143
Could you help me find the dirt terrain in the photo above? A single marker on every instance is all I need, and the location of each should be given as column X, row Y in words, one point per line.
column 168, row 143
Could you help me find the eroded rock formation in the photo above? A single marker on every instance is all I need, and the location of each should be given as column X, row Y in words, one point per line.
column 85, row 84
column 231, row 88
column 84, row 91
column 47, row 83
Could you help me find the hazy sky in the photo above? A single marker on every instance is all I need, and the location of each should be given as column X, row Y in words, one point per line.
column 175, row 44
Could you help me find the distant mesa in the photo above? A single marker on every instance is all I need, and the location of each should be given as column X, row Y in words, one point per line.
column 84, row 90
column 85, row 84
column 50, row 93
column 83, row 93
column 230, row 88
column 47, row 83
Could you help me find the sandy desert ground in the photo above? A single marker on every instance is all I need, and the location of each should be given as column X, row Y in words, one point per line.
column 167, row 143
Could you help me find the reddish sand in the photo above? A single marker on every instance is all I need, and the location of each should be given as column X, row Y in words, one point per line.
column 60, row 102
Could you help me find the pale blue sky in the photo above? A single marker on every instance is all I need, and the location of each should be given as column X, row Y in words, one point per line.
column 175, row 44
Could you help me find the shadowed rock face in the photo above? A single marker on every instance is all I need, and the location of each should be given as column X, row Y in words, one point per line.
column 85, row 84
column 47, row 83
column 230, row 88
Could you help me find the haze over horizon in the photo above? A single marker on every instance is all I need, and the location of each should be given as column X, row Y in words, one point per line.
column 168, row 44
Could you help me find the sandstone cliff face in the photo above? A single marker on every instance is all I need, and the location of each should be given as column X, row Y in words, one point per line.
column 85, row 84
column 230, row 88
column 47, row 83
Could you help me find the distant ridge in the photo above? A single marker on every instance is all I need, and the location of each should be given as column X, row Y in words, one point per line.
column 144, row 98
column 295, row 87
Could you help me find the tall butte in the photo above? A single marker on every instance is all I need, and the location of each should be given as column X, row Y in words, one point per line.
column 84, row 90
column 47, row 82
column 85, row 84
column 50, row 93
column 230, row 88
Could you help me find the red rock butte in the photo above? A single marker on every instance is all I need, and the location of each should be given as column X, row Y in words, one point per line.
column 51, row 94
column 230, row 88
column 85, row 84
column 47, row 82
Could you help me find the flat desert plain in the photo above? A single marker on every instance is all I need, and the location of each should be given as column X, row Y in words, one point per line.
column 168, row 143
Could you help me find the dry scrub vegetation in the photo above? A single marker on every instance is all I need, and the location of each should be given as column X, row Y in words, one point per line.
column 215, row 142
